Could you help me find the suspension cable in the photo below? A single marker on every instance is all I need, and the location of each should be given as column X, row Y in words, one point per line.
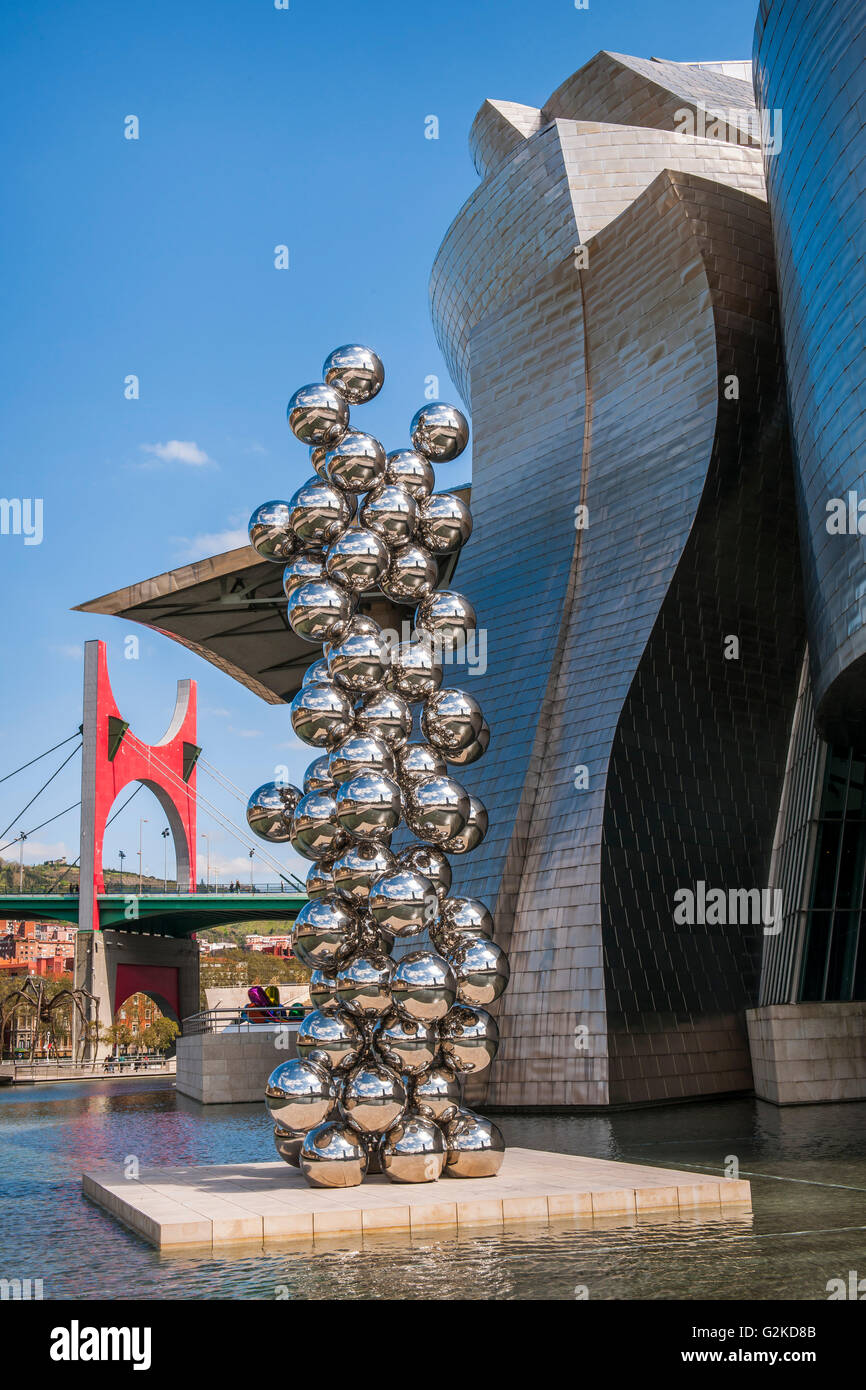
column 221, row 778
column 33, row 829
column 42, row 755
column 41, row 790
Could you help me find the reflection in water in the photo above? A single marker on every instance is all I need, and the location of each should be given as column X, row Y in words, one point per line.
column 802, row 1233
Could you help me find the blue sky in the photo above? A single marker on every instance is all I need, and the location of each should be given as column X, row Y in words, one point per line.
column 155, row 257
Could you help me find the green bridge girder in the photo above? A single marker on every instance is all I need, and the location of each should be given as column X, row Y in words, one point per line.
column 167, row 914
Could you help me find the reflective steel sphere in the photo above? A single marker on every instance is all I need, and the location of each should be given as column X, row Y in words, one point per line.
column 357, row 463
column 356, row 372
column 391, row 512
column 318, row 414
column 411, row 576
column 364, row 985
column 308, row 568
column 447, row 615
column 403, row 901
column 451, row 719
column 325, row 932
column 320, row 879
column 332, row 1035
column 317, row 777
column 475, row 1147
column 473, row 832
column 372, row 937
column 319, row 513
column 386, row 715
column 315, row 833
column 411, row 470
column 318, row 611
column 416, row 671
column 462, row 757
column 333, row 1156
column 300, row 1095
column 416, row 761
column 318, row 460
column 357, row 559
column 360, row 753
column 439, row 431
column 270, row 810
column 271, row 535
column 423, row 987
column 359, row 662
column 469, row 1038
column 406, row 1044
column 373, row 1098
column 288, row 1146
column 317, row 672
column 322, row 715
column 413, row 1150
column 444, row 523
column 369, row 806
column 323, row 990
column 430, row 861
column 436, row 1093
column 358, row 867
column 436, row 809
column 480, row 968
column 465, row 917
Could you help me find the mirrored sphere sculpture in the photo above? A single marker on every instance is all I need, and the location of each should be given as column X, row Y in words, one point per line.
column 365, row 544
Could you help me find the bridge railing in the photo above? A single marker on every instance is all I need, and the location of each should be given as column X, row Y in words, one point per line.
column 240, row 1020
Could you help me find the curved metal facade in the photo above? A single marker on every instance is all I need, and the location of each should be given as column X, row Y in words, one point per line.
column 810, row 64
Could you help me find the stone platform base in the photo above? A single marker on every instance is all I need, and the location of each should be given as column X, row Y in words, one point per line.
column 176, row 1207
column 803, row 1054
column 231, row 1068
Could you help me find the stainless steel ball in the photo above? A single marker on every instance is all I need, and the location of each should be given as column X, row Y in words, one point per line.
column 359, row 626
column 469, row 1038
column 430, row 861
column 372, row 937
column 333, row 1155
column 319, row 513
column 320, row 879
column 270, row 532
column 369, row 806
column 317, row 672
column 270, row 810
column 364, row 985
column 411, row 576
column 315, row 833
column 319, row 611
column 391, row 512
column 357, row 868
column 439, row 431
column 306, row 568
column 447, row 616
column 462, row 757
column 317, row 777
column 444, row 523
column 411, row 470
column 318, row 460
column 480, row 968
column 357, row 372
column 475, row 1146
column 288, row 1146
column 323, row 990
column 436, row 1093
column 322, row 715
column 357, row 559
column 360, row 662
column 357, row 463
column 465, row 917
column 423, row 987
column 333, row 1035
column 373, row 1097
column 451, row 719
column 325, row 933
column 416, row 761
column 403, row 902
column 300, row 1094
column 360, row 753
column 413, row 1150
column 318, row 414
column 473, row 832
column 416, row 671
column 406, row 1044
column 385, row 715
column 436, row 808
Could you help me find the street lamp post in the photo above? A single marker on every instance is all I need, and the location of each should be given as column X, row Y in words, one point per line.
column 252, row 852
column 21, row 838
column 142, row 820
column 165, row 835
column 207, row 880
column 121, row 857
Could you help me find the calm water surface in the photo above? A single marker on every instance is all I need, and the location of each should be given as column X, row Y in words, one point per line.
column 807, row 1167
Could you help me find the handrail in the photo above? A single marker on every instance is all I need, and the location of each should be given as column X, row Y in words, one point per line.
column 243, row 1018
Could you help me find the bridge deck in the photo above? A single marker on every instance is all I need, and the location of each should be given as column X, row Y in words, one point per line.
column 168, row 914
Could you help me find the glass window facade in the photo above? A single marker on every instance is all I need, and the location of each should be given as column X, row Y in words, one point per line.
column 834, row 960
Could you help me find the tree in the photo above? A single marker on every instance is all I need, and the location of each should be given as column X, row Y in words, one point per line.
column 159, row 1036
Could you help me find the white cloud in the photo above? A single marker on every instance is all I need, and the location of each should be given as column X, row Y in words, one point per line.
column 38, row 851
column 245, row 733
column 219, row 713
column 210, row 543
column 178, row 451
